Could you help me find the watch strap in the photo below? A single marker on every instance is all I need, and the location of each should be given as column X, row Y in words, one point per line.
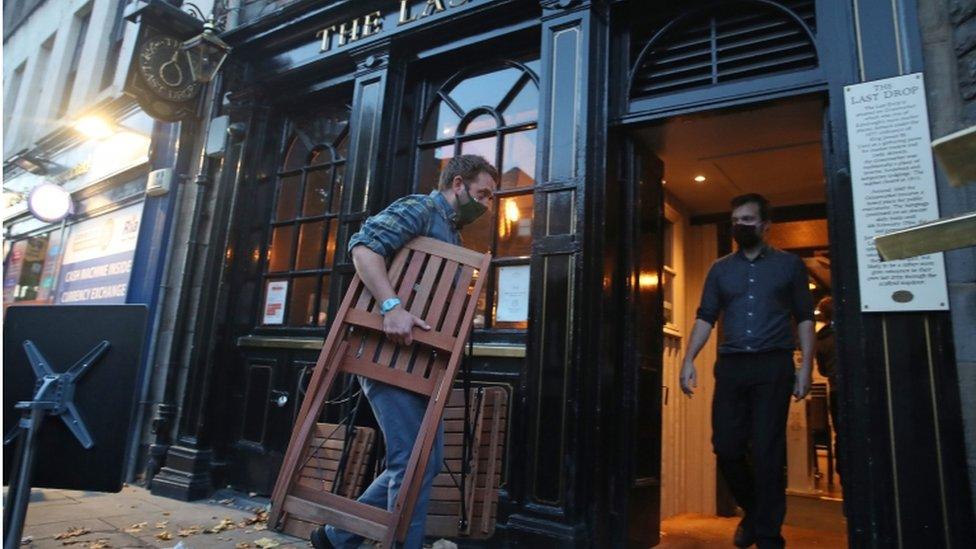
column 388, row 305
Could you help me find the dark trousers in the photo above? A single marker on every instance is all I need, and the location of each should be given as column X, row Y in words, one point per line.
column 749, row 411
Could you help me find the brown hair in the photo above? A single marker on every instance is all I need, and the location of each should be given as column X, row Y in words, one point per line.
column 468, row 166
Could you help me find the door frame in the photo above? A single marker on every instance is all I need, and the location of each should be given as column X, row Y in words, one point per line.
column 622, row 211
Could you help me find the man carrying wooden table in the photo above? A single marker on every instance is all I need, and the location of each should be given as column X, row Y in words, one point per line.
column 465, row 192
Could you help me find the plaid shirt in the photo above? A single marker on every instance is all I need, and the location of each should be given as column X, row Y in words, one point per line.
column 406, row 218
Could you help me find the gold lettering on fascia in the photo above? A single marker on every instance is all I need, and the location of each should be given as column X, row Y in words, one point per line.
column 358, row 28
column 350, row 31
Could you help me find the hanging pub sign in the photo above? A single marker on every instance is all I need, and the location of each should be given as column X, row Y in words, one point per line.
column 159, row 75
column 893, row 186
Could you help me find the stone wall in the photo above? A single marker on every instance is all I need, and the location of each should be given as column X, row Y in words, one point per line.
column 949, row 49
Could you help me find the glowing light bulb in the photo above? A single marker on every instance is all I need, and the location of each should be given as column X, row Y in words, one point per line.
column 512, row 211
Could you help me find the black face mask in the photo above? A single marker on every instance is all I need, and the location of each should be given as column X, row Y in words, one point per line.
column 746, row 236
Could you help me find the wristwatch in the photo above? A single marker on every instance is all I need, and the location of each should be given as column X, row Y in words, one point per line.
column 389, row 305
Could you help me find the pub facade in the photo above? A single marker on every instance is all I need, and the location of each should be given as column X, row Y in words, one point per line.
column 620, row 129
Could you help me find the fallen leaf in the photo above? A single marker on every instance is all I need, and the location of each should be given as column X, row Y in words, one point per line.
column 72, row 532
column 259, row 527
column 162, row 525
column 164, row 536
column 227, row 501
column 136, row 528
column 191, row 531
column 266, row 543
column 243, row 545
column 99, row 544
column 225, row 524
column 260, row 515
column 166, row 514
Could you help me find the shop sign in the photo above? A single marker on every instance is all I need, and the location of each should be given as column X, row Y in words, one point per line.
column 11, row 275
column 403, row 13
column 98, row 258
column 77, row 170
column 893, row 185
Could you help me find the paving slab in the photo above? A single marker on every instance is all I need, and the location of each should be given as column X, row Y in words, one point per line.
column 136, row 518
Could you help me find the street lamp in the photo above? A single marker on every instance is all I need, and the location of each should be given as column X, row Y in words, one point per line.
column 206, row 52
column 50, row 202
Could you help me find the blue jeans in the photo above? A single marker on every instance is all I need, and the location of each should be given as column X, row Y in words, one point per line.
column 399, row 414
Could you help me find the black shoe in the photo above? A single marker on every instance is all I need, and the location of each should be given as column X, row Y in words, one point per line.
column 319, row 539
column 745, row 536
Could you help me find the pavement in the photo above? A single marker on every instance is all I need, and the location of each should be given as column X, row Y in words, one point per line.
column 136, row 518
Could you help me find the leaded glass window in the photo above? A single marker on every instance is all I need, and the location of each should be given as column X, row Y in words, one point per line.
column 305, row 220
column 492, row 112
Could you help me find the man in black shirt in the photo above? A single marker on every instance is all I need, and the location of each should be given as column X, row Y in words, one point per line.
column 756, row 290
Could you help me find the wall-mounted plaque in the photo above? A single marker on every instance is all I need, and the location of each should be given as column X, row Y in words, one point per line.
column 893, row 184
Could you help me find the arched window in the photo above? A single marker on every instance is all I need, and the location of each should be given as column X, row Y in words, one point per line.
column 719, row 43
column 305, row 222
column 494, row 113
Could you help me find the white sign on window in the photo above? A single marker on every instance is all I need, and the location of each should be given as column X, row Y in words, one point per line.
column 513, row 294
column 893, row 184
column 274, row 302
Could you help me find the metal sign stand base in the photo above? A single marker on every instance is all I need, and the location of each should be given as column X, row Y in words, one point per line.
column 53, row 396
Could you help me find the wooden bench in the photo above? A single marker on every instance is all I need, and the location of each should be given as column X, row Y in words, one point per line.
column 488, row 411
column 321, row 465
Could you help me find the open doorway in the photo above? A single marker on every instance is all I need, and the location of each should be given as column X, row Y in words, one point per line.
column 773, row 148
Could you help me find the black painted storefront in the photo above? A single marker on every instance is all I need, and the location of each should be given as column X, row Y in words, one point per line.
column 582, row 460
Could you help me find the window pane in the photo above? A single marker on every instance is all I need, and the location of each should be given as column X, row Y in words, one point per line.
column 330, row 244
column 524, row 107
column 287, row 205
column 301, row 305
column 518, row 160
column 481, row 123
column 316, row 192
column 515, row 226
column 479, row 313
column 296, row 155
column 321, row 156
column 309, row 245
column 485, row 90
column 342, row 146
column 442, row 124
column 484, row 147
column 279, row 256
column 432, row 161
column 323, row 315
column 336, row 200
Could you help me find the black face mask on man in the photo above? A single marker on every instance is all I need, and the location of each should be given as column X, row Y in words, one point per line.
column 746, row 236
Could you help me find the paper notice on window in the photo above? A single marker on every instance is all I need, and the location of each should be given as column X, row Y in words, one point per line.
column 274, row 302
column 513, row 294
column 893, row 184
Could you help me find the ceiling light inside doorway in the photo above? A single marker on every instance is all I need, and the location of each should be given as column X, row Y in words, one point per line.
column 699, row 178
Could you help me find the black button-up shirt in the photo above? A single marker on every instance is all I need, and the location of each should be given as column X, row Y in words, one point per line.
column 757, row 299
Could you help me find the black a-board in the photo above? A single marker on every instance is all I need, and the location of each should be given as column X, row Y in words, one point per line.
column 104, row 395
